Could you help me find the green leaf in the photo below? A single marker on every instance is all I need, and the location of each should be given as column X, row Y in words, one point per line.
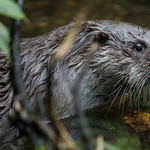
column 4, row 39
column 109, row 146
column 10, row 9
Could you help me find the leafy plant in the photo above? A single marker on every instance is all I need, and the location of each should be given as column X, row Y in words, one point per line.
column 10, row 9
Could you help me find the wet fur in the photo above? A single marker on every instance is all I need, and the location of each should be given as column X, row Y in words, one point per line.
column 115, row 68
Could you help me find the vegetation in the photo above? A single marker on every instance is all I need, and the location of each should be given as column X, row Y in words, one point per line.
column 8, row 8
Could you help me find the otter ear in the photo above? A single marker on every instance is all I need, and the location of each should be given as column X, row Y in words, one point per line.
column 101, row 37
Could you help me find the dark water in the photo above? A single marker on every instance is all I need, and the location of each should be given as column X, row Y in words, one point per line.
column 47, row 15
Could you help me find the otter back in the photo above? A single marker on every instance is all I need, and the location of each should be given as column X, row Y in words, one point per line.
column 119, row 64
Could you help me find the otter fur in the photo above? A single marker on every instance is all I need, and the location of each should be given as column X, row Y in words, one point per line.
column 121, row 62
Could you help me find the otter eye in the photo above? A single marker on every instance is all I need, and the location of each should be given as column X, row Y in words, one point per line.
column 139, row 47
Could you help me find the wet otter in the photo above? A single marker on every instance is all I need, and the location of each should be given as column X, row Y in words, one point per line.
column 121, row 62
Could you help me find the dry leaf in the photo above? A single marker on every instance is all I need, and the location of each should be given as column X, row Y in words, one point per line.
column 139, row 121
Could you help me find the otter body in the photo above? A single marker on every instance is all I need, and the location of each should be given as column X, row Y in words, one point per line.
column 121, row 62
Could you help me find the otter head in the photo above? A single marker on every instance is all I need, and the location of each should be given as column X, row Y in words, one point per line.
column 120, row 63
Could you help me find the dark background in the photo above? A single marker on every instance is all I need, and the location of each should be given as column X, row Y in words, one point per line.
column 46, row 15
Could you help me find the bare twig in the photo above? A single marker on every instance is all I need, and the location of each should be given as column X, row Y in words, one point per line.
column 100, row 143
column 24, row 121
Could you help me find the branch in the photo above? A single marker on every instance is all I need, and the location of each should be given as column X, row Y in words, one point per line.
column 15, row 52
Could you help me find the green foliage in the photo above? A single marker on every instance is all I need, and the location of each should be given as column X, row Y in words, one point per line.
column 4, row 39
column 123, row 143
column 10, row 9
column 110, row 146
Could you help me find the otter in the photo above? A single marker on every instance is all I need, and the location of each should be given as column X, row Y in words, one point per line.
column 121, row 62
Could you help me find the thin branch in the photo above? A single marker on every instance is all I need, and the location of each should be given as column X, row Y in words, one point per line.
column 15, row 52
column 24, row 120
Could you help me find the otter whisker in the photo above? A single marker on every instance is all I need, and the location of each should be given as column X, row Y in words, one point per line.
column 145, row 94
column 124, row 93
column 137, row 99
column 112, row 103
column 127, row 89
column 116, row 89
column 121, row 80
column 111, row 106
column 141, row 80
column 145, row 78
column 133, row 84
column 130, row 87
column 124, row 99
column 132, row 91
column 139, row 87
